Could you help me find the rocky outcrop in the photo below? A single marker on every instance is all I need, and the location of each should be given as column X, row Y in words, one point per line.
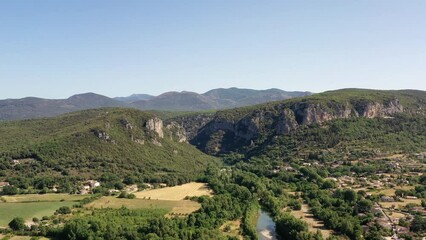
column 282, row 119
column 126, row 124
column 155, row 125
column 176, row 131
column 375, row 109
column 102, row 135
column 192, row 123
column 286, row 122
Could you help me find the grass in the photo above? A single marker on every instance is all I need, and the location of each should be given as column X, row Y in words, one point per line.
column 173, row 207
column 43, row 198
column 176, row 193
column 234, row 231
column 400, row 204
column 28, row 210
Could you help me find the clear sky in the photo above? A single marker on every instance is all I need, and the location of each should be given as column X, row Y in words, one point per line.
column 54, row 49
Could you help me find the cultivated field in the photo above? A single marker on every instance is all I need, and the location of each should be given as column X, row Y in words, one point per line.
column 174, row 207
column 400, row 204
column 22, row 238
column 43, row 198
column 28, row 210
column 391, row 191
column 313, row 224
column 33, row 205
column 176, row 193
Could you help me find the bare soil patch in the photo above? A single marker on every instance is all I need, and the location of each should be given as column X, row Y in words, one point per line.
column 313, row 223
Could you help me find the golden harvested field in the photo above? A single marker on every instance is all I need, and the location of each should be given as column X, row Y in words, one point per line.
column 313, row 224
column 42, row 198
column 176, row 193
column 174, row 207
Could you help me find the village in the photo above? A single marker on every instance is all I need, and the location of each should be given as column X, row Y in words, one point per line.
column 392, row 188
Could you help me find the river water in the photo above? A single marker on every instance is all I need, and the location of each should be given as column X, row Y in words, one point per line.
column 265, row 227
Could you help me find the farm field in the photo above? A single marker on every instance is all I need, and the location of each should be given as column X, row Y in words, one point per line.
column 391, row 191
column 28, row 210
column 313, row 224
column 21, row 238
column 400, row 204
column 177, row 192
column 28, row 206
column 42, row 198
column 174, row 207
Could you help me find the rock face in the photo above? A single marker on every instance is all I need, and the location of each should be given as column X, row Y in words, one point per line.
column 286, row 122
column 155, row 125
column 126, row 124
column 374, row 109
column 282, row 119
column 102, row 135
column 176, row 131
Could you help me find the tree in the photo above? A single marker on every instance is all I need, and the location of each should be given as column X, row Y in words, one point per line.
column 9, row 190
column 364, row 206
column 418, row 224
column 289, row 227
column 63, row 210
column 17, row 224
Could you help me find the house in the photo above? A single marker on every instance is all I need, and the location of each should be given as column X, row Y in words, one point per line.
column 401, row 230
column 113, row 191
column 162, row 185
column 4, row 184
column 132, row 188
column 410, row 197
column 387, row 199
column 15, row 162
column 93, row 183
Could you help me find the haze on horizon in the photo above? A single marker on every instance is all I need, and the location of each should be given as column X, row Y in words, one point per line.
column 54, row 49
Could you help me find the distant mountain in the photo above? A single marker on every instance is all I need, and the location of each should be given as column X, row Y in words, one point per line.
column 214, row 99
column 134, row 98
column 30, row 107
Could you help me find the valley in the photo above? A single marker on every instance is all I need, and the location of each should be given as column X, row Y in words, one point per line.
column 346, row 164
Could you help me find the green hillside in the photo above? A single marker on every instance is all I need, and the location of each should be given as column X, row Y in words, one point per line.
column 94, row 144
column 412, row 100
column 360, row 116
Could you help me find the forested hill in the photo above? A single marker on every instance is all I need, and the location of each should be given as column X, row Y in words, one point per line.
column 92, row 144
column 240, row 129
column 31, row 107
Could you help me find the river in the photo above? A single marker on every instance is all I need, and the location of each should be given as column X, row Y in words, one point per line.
column 265, row 227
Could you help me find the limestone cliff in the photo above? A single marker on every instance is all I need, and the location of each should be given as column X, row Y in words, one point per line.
column 284, row 118
column 155, row 125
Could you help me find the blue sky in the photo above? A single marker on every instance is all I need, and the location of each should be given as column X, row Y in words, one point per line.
column 55, row 49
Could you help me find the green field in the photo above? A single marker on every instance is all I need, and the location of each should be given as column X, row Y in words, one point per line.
column 29, row 210
column 42, row 198
column 34, row 205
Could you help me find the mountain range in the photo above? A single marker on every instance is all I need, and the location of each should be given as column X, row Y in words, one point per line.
column 31, row 107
